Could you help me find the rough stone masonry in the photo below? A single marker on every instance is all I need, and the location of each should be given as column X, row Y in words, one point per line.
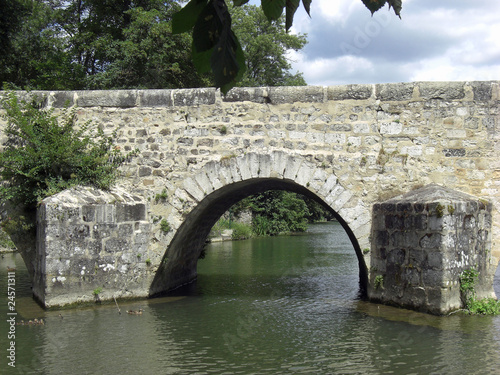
column 422, row 242
column 350, row 147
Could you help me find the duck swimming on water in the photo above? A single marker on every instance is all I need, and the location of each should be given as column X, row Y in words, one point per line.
column 134, row 312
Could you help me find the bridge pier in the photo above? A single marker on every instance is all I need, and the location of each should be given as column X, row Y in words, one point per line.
column 91, row 245
column 422, row 242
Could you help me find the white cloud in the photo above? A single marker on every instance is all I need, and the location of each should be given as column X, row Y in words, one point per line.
column 445, row 69
column 329, row 71
column 435, row 40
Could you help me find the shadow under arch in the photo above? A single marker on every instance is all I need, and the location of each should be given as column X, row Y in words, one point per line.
column 178, row 266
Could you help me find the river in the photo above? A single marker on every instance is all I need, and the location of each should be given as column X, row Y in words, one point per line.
column 278, row 305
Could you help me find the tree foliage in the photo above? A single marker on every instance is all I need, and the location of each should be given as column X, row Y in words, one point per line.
column 215, row 45
column 36, row 56
column 125, row 44
column 109, row 44
column 45, row 154
column 265, row 45
column 279, row 211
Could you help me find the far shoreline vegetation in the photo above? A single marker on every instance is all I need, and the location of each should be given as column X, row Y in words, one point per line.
column 271, row 213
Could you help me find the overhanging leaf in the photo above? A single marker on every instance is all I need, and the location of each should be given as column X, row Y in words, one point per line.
column 201, row 60
column 374, row 5
column 240, row 59
column 226, row 60
column 185, row 19
column 238, row 3
column 396, row 5
column 307, row 6
column 273, row 8
column 207, row 30
column 291, row 8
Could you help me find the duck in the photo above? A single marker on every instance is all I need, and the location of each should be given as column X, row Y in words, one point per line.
column 134, row 312
column 38, row 322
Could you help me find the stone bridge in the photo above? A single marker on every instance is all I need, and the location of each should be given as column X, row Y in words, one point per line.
column 349, row 147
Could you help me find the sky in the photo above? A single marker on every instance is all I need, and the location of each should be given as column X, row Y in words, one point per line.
column 435, row 40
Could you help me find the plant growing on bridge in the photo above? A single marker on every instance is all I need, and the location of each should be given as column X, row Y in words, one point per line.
column 161, row 196
column 485, row 306
column 46, row 153
column 165, row 226
column 96, row 293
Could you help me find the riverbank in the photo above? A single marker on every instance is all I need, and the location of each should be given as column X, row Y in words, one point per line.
column 6, row 244
column 225, row 230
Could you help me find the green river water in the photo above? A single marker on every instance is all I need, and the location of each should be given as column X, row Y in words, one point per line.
column 278, row 305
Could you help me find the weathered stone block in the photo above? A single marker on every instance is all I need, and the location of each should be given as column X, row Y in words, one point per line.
column 113, row 245
column 250, row 94
column 115, row 98
column 193, row 97
column 427, row 238
column 308, row 94
column 350, row 92
column 482, row 91
column 135, row 212
column 103, row 230
column 125, row 230
column 155, row 98
column 394, row 91
column 441, row 90
column 98, row 229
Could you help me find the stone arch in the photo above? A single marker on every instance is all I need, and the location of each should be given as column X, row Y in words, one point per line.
column 218, row 185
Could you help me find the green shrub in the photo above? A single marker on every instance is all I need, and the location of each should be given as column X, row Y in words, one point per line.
column 161, row 196
column 485, row 306
column 379, row 282
column 47, row 153
column 241, row 231
column 277, row 212
column 261, row 225
column 5, row 240
column 165, row 226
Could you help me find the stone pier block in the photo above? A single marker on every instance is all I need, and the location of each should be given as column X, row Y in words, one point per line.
column 425, row 240
column 90, row 242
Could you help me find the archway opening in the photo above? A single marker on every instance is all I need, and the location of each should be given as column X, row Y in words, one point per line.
column 179, row 265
